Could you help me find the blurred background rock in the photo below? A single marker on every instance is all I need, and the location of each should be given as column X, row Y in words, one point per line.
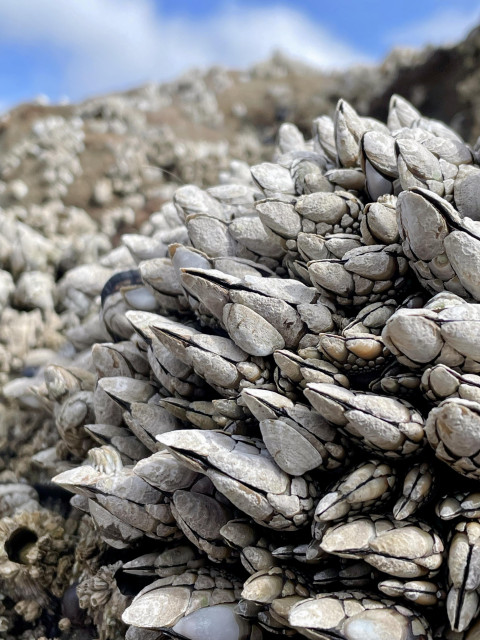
column 120, row 156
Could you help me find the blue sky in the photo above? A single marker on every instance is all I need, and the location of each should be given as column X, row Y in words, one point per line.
column 79, row 48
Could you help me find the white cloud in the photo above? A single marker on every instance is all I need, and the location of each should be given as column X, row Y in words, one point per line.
column 102, row 45
column 444, row 27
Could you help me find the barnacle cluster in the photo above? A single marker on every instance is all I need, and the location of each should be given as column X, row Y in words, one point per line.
column 282, row 434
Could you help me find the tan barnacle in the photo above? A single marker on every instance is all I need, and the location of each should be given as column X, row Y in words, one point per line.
column 443, row 332
column 117, row 393
column 312, row 246
column 80, row 285
column 401, row 113
column 372, row 318
column 362, row 488
column 453, row 431
column 201, row 517
column 463, row 504
column 364, row 275
column 465, row 190
column 324, row 212
column 421, row 592
column 354, row 615
column 160, row 278
column 120, row 438
column 255, row 243
column 115, row 302
column 395, row 380
column 279, row 218
column 442, row 247
column 355, row 353
column 348, row 129
column 293, row 372
column 15, row 497
column 171, row 372
column 379, row 164
column 406, row 549
column 462, row 599
column 273, row 179
column 119, row 359
column 382, row 425
column 71, row 391
column 245, row 473
column 307, row 170
column 251, row 545
column 417, row 489
column 417, row 166
column 190, row 199
column 218, row 360
column 441, row 382
column 379, row 222
column 210, row 235
column 324, row 138
column 124, row 507
column 194, row 605
column 82, row 479
column 297, row 437
column 163, row 276
column 276, row 590
column 171, row 561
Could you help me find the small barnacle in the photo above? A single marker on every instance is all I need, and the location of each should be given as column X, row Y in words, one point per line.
column 100, row 595
column 35, row 560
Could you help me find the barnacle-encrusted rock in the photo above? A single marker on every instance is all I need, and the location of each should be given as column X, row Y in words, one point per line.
column 269, row 356
column 36, row 557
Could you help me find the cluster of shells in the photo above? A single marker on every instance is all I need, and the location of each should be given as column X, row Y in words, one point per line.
column 273, row 420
